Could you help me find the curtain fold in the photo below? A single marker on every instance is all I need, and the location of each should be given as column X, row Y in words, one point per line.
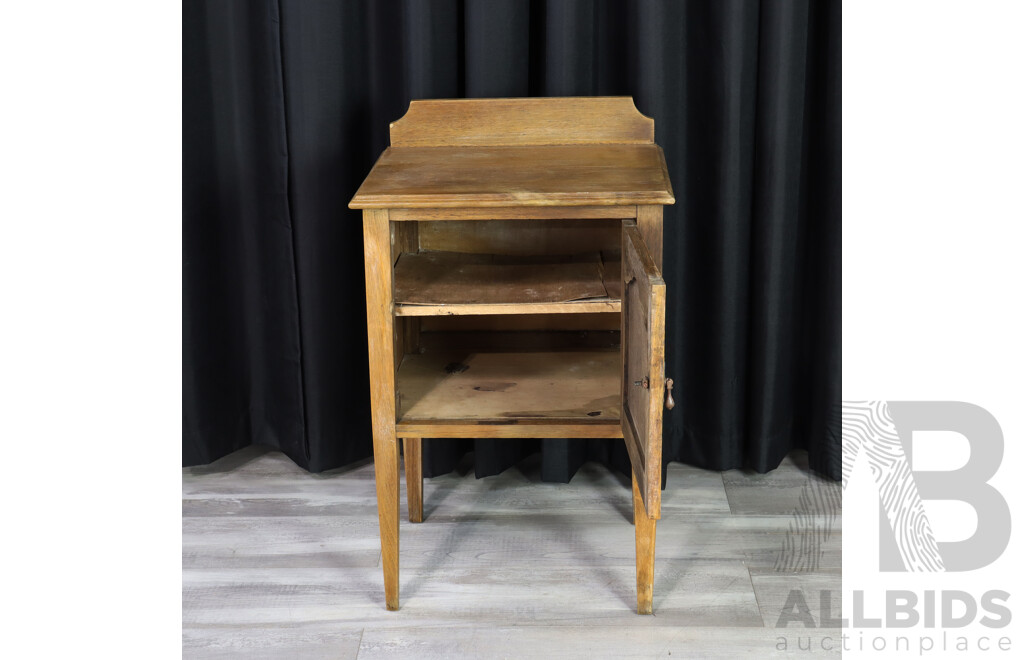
column 286, row 105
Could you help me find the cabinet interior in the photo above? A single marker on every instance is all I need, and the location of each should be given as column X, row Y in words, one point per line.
column 506, row 320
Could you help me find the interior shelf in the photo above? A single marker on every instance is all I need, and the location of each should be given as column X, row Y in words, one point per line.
column 454, row 283
column 580, row 387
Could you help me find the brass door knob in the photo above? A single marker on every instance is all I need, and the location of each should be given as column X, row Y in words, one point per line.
column 670, row 403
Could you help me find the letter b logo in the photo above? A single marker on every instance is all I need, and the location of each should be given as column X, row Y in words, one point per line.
column 883, row 431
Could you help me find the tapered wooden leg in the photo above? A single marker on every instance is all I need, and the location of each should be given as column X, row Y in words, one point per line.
column 381, row 344
column 414, row 478
column 385, row 466
column 645, row 532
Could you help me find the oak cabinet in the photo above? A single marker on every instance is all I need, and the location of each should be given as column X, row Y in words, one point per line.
column 513, row 252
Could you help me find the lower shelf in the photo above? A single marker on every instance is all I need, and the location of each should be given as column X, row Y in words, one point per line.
column 520, row 428
column 513, row 394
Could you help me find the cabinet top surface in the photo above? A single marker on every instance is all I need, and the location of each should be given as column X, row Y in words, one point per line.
column 544, row 175
column 519, row 152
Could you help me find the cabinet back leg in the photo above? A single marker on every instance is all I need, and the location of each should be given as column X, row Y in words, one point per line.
column 414, row 477
column 645, row 533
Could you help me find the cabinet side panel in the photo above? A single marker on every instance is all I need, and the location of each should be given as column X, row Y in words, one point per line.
column 405, row 238
column 650, row 221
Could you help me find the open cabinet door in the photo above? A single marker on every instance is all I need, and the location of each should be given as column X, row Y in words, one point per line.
column 643, row 364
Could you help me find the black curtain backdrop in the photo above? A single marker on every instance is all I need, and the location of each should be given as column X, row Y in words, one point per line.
column 286, row 107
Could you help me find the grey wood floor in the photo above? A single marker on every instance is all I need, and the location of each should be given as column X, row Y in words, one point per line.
column 279, row 563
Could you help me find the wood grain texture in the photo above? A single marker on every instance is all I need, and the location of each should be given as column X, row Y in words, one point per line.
column 488, row 309
column 457, row 283
column 514, row 213
column 521, row 323
column 565, row 386
column 381, row 339
column 520, row 341
column 404, row 240
column 645, row 532
column 522, row 121
column 649, row 220
column 643, row 357
column 521, row 237
column 459, row 278
column 413, row 449
column 521, row 428
column 576, row 175
column 410, row 331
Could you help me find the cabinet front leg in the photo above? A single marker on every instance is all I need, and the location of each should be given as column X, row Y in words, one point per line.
column 381, row 345
column 385, row 467
column 414, row 477
column 645, row 532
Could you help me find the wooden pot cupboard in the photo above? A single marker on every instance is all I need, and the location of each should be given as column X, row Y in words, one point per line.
column 513, row 253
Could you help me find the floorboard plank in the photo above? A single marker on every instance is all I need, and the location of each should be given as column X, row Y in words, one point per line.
column 782, row 491
column 644, row 640
column 822, row 593
column 699, row 593
column 302, row 642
